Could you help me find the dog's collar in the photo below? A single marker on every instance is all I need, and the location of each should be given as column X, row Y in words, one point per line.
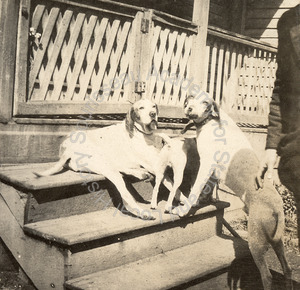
column 143, row 132
column 203, row 122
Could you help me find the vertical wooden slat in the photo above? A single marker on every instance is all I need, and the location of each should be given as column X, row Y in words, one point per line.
column 20, row 91
column 232, row 81
column 135, row 57
column 213, row 69
column 245, row 76
column 219, row 74
column 200, row 17
column 239, row 99
column 147, row 38
column 226, row 91
column 8, row 32
column 205, row 70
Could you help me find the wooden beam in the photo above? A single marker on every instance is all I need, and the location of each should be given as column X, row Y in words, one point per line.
column 8, row 35
column 29, row 253
column 20, row 90
column 198, row 57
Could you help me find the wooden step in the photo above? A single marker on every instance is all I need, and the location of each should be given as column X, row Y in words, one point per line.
column 65, row 194
column 22, row 177
column 105, row 239
column 168, row 269
column 87, row 227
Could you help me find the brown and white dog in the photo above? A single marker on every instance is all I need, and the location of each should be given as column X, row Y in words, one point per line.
column 127, row 148
column 227, row 156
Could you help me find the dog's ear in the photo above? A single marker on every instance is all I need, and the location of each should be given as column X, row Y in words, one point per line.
column 130, row 120
column 215, row 112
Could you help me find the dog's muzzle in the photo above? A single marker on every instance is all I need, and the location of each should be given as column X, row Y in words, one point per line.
column 192, row 116
column 153, row 125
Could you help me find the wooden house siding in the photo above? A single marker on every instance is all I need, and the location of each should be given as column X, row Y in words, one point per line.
column 262, row 18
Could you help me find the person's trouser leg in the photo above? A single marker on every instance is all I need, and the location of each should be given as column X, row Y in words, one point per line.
column 289, row 174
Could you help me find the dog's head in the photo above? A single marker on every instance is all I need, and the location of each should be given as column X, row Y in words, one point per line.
column 143, row 115
column 200, row 109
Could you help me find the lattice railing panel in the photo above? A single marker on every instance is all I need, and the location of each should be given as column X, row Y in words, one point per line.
column 81, row 54
column 241, row 77
column 170, row 59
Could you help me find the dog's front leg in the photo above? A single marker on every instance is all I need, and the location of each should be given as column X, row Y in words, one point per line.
column 102, row 167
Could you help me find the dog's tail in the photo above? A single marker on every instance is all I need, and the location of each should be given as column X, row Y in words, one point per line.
column 57, row 167
column 279, row 227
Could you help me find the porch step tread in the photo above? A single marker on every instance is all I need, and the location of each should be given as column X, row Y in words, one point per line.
column 167, row 269
column 102, row 224
column 23, row 177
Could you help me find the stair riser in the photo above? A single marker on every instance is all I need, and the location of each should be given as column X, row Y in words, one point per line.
column 146, row 245
column 73, row 200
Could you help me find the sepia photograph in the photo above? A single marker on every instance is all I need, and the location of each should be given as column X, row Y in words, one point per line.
column 150, row 144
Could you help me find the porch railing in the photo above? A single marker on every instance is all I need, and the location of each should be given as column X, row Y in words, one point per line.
column 240, row 75
column 118, row 54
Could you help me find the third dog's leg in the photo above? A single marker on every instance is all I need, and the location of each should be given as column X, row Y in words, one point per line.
column 158, row 179
column 258, row 253
column 287, row 270
column 178, row 170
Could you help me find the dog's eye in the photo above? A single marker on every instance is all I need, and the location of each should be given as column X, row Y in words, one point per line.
column 141, row 108
column 205, row 103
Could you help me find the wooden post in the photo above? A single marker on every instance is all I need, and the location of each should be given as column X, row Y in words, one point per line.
column 8, row 35
column 145, row 61
column 20, row 91
column 237, row 15
column 198, row 57
column 135, row 41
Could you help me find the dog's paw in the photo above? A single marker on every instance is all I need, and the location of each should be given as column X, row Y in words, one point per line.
column 148, row 217
column 168, row 208
column 153, row 205
column 181, row 211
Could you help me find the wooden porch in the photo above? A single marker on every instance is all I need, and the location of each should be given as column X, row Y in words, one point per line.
column 67, row 64
column 93, row 58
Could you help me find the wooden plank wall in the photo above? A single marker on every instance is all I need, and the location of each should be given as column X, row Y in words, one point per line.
column 218, row 11
column 219, row 14
column 262, row 18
